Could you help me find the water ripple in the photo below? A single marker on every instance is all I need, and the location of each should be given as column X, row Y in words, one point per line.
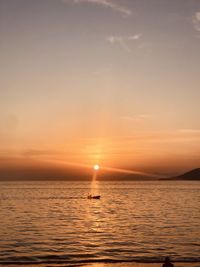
column 54, row 222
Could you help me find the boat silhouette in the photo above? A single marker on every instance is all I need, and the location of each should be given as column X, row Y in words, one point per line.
column 93, row 197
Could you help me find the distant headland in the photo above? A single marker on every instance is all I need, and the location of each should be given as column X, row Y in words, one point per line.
column 193, row 175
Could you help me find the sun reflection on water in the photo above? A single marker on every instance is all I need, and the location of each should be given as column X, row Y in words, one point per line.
column 94, row 189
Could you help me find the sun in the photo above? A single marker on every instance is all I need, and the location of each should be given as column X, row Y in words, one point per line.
column 96, row 167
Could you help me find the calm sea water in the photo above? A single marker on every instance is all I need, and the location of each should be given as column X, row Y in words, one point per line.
column 54, row 222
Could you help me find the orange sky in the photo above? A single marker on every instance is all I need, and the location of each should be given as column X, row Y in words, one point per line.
column 88, row 83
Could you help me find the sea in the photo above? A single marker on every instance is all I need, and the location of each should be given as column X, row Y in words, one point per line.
column 54, row 223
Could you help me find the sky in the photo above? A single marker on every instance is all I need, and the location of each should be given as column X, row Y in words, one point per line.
column 113, row 82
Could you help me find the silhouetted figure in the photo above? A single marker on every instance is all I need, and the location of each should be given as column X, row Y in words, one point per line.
column 90, row 196
column 167, row 263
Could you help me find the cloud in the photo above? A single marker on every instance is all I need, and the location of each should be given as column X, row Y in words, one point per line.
column 134, row 37
column 196, row 21
column 119, row 39
column 178, row 135
column 113, row 5
column 123, row 41
column 189, row 131
column 39, row 152
column 137, row 118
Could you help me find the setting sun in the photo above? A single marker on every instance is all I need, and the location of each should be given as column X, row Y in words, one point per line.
column 96, row 167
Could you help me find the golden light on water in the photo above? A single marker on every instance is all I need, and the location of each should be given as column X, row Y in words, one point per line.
column 94, row 182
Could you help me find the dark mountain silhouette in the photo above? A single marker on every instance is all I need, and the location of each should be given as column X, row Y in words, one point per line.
column 190, row 176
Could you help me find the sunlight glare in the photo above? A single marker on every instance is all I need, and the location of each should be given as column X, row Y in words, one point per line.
column 96, row 167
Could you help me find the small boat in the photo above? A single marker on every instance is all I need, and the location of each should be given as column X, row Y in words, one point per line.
column 93, row 197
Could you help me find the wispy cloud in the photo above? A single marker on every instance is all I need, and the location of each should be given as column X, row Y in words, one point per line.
column 137, row 118
column 39, row 152
column 189, row 131
column 123, row 41
column 178, row 135
column 113, row 5
column 196, row 21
